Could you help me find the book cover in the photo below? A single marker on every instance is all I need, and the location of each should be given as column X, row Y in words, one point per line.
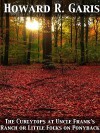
column 50, row 66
